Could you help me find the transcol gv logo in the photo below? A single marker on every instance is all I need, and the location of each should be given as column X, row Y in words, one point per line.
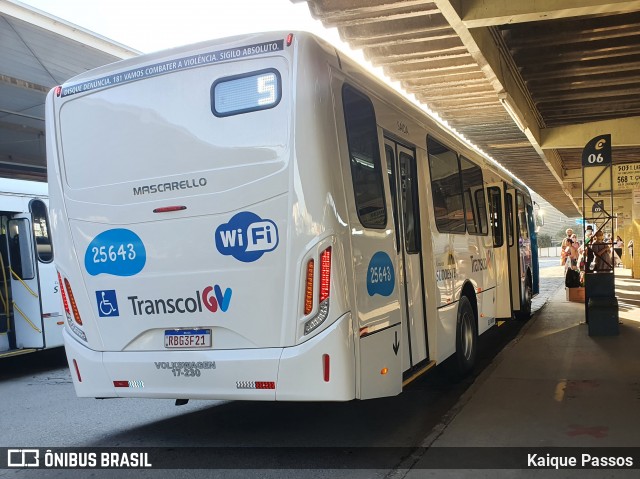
column 246, row 237
column 211, row 298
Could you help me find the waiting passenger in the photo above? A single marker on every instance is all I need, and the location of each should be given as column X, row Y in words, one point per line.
column 602, row 252
column 563, row 247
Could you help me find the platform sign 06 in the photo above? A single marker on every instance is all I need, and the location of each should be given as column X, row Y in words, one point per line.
column 597, row 152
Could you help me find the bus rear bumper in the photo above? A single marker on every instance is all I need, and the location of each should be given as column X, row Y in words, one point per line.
column 269, row 374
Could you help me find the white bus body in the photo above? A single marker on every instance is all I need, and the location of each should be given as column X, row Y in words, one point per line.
column 253, row 218
column 30, row 310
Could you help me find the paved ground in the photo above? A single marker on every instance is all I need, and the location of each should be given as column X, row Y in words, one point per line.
column 553, row 387
column 551, row 279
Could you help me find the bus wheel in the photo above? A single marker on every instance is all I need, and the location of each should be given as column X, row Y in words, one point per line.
column 525, row 309
column 466, row 337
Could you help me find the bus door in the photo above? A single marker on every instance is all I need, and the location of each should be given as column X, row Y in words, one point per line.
column 525, row 240
column 50, row 300
column 513, row 243
column 377, row 307
column 403, row 185
column 25, row 292
column 496, row 199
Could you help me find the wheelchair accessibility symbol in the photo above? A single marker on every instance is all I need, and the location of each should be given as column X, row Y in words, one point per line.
column 107, row 303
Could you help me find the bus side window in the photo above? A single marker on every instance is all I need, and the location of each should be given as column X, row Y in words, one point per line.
column 495, row 215
column 44, row 248
column 508, row 211
column 522, row 217
column 472, row 184
column 20, row 248
column 410, row 208
column 446, row 188
column 364, row 154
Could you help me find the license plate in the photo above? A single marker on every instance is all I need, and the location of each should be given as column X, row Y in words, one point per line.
column 187, row 338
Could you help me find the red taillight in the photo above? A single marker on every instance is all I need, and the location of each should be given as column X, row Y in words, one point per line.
column 326, row 360
column 289, row 39
column 168, row 209
column 308, row 294
column 75, row 365
column 65, row 303
column 74, row 306
column 325, row 274
column 324, row 286
column 265, row 385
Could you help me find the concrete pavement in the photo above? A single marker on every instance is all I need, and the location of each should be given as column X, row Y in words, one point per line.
column 553, row 386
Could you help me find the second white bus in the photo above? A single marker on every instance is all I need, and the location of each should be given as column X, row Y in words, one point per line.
column 31, row 316
column 259, row 218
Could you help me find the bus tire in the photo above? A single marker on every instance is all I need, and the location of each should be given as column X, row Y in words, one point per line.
column 466, row 337
column 525, row 310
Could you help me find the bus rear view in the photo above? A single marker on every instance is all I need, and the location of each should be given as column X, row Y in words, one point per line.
column 182, row 256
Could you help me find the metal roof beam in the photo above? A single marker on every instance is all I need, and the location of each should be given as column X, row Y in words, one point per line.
column 485, row 13
column 9, row 80
column 624, row 132
column 488, row 54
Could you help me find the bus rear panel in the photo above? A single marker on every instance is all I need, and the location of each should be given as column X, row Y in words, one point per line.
column 192, row 266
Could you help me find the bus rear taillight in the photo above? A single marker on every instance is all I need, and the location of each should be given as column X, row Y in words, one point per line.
column 326, row 367
column 325, row 274
column 323, row 296
column 75, row 365
column 66, row 292
column 74, row 306
column 65, row 303
column 308, row 289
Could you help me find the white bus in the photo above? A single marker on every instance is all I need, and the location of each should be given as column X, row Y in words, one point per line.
column 259, row 218
column 30, row 310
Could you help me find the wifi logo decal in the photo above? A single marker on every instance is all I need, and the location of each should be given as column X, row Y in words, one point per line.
column 246, row 237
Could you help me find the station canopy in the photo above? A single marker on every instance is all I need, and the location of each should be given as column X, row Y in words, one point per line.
column 39, row 51
column 529, row 82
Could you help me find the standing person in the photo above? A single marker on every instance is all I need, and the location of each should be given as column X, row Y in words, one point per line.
column 602, row 253
column 564, row 253
column 618, row 246
column 588, row 253
column 574, row 251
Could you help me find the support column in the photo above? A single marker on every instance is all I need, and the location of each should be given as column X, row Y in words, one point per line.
column 635, row 235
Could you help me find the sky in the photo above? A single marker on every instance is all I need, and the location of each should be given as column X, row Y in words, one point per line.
column 151, row 25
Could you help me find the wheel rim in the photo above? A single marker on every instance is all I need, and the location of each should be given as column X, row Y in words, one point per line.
column 467, row 336
column 527, row 297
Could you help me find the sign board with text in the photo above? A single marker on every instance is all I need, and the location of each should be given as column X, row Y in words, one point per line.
column 597, row 152
column 627, row 176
